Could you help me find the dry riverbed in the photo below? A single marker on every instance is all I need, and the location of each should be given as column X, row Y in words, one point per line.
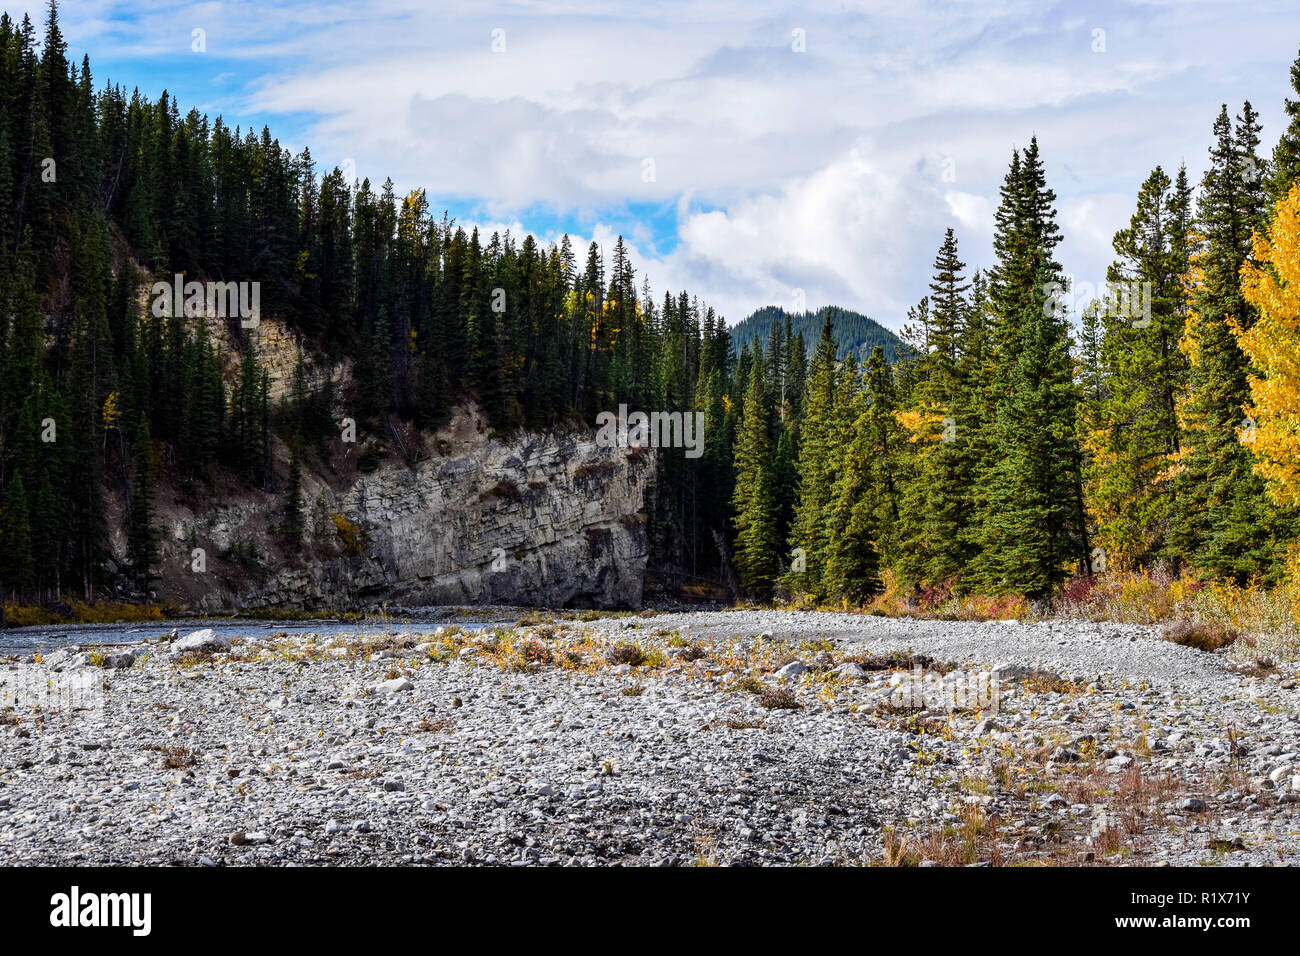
column 738, row 737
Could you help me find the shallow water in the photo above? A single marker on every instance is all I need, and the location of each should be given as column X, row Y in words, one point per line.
column 24, row 640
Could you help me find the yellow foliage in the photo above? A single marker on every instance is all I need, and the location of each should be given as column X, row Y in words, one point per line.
column 1273, row 345
column 110, row 412
column 921, row 424
column 349, row 535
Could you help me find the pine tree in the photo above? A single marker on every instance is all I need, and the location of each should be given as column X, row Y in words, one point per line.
column 1223, row 522
column 142, row 536
column 754, row 498
column 819, row 450
column 1132, row 430
column 1030, row 509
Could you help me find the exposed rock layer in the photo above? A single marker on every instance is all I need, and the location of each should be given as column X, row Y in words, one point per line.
column 534, row 520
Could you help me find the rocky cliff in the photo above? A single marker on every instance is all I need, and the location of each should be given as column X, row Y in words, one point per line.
column 544, row 520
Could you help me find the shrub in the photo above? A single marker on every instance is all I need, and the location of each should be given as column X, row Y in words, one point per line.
column 778, row 698
column 179, row 758
column 349, row 535
column 505, row 489
column 626, row 654
column 1202, row 635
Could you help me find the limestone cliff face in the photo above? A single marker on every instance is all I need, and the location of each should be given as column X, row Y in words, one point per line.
column 530, row 520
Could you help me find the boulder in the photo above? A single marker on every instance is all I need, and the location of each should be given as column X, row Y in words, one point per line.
column 205, row 639
column 395, row 686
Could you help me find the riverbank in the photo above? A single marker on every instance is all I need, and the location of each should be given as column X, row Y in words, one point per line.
column 740, row 737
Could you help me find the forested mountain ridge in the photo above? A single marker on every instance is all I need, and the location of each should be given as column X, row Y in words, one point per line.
column 854, row 332
column 1005, row 450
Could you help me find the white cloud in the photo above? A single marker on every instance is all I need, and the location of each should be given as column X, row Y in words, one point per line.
column 822, row 170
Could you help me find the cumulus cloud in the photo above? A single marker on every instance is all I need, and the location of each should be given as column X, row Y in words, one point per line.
column 833, row 169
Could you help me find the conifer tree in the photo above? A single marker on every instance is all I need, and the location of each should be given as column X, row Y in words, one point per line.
column 819, row 448
column 1286, row 154
column 17, row 567
column 1132, row 431
column 754, row 498
column 1031, row 509
column 1223, row 522
column 142, row 536
column 292, row 523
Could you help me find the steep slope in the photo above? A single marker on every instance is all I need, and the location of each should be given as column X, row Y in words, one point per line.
column 549, row 520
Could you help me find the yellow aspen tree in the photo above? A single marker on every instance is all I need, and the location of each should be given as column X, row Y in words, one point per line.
column 1271, row 283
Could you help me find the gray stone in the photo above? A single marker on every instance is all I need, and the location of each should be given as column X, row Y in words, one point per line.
column 394, row 686
column 205, row 639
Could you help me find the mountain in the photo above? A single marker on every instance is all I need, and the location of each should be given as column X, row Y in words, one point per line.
column 854, row 332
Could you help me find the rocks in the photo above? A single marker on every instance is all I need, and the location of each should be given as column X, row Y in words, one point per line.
column 119, row 660
column 1119, row 764
column 205, row 639
column 285, row 754
column 850, row 671
column 542, row 520
column 1011, row 670
column 395, row 686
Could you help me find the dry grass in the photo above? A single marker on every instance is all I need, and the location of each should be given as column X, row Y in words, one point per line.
column 630, row 654
column 179, row 758
column 77, row 612
column 1208, row 636
column 1253, row 620
column 778, row 698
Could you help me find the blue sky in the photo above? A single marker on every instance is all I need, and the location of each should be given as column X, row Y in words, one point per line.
column 751, row 152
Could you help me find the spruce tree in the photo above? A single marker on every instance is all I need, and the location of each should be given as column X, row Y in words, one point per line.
column 1030, row 510
column 754, row 499
column 292, row 524
column 141, row 535
column 1286, row 155
column 819, row 452
column 1132, row 431
column 1223, row 523
column 17, row 567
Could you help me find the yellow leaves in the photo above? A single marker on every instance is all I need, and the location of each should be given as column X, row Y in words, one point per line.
column 110, row 413
column 921, row 424
column 1273, row 346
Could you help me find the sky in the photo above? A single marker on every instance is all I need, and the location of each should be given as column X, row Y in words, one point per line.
column 753, row 153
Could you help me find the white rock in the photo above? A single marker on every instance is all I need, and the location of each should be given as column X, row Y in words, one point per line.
column 394, row 686
column 793, row 669
column 202, row 640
